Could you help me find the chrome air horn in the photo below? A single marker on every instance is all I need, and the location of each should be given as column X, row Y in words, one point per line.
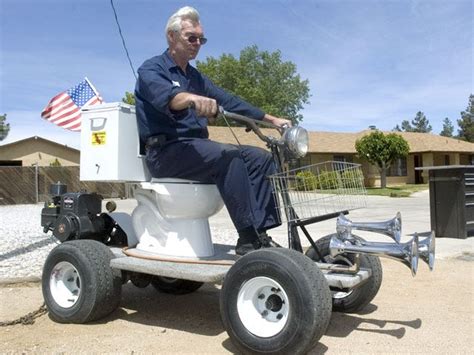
column 426, row 250
column 407, row 253
column 392, row 227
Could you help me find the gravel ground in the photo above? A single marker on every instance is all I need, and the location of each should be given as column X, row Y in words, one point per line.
column 23, row 245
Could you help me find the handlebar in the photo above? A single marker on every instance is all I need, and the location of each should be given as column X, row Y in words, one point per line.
column 250, row 123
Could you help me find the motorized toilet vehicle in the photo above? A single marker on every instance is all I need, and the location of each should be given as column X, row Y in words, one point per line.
column 273, row 300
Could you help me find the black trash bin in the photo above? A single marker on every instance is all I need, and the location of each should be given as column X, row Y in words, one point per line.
column 452, row 200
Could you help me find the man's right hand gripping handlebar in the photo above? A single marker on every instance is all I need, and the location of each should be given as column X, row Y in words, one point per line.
column 204, row 106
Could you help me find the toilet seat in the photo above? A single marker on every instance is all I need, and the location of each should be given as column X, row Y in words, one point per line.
column 177, row 181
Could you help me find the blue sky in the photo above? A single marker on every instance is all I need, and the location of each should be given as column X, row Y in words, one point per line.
column 368, row 62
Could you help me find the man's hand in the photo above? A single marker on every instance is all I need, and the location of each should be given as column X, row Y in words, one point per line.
column 277, row 121
column 204, row 106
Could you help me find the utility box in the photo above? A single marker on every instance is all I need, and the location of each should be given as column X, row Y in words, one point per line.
column 110, row 148
column 452, row 200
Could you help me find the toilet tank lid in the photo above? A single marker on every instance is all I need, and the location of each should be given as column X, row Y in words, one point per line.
column 110, row 106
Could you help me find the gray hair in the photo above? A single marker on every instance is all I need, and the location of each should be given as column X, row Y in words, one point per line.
column 184, row 13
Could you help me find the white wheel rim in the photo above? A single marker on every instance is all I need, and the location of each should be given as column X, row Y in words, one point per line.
column 65, row 284
column 340, row 294
column 263, row 306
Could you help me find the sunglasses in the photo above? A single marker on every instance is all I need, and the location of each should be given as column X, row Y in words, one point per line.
column 194, row 39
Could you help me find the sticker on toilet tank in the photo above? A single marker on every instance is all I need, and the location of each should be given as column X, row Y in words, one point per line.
column 98, row 138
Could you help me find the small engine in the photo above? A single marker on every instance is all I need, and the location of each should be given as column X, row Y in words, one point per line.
column 78, row 215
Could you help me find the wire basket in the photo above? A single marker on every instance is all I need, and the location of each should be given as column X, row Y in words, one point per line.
column 318, row 190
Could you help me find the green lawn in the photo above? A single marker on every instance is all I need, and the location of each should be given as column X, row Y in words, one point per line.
column 397, row 191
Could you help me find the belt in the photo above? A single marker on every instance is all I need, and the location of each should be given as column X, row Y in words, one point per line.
column 155, row 141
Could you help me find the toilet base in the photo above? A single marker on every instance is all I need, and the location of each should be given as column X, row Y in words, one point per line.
column 186, row 238
column 169, row 237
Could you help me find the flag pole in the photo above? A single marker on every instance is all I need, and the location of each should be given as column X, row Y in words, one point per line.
column 94, row 89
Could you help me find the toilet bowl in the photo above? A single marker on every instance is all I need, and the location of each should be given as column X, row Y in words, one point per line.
column 171, row 218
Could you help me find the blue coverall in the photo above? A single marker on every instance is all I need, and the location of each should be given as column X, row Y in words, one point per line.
column 186, row 152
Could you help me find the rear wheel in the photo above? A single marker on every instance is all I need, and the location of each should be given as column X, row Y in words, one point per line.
column 175, row 286
column 78, row 283
column 275, row 301
column 356, row 299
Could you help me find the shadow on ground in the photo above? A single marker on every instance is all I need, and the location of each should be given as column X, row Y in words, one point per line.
column 199, row 313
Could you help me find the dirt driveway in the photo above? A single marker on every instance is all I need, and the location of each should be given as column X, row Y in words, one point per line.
column 432, row 313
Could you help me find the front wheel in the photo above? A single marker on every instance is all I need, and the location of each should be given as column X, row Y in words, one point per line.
column 356, row 299
column 275, row 301
column 79, row 286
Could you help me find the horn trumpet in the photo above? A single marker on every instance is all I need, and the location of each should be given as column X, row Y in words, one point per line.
column 426, row 250
column 392, row 227
column 406, row 253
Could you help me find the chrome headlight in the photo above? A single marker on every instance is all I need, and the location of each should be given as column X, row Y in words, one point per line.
column 296, row 140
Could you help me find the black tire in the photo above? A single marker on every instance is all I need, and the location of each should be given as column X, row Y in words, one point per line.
column 289, row 288
column 358, row 298
column 79, row 286
column 175, row 286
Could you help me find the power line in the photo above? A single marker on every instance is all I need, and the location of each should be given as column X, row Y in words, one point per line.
column 123, row 40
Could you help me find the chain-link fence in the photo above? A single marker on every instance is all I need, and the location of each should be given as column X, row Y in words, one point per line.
column 23, row 185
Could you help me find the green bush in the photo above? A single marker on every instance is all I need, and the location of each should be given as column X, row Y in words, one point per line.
column 352, row 178
column 325, row 180
column 306, row 181
column 328, row 180
column 55, row 163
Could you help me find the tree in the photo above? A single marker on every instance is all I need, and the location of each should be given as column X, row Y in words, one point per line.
column 55, row 163
column 466, row 123
column 262, row 79
column 129, row 98
column 419, row 124
column 406, row 127
column 448, row 128
column 4, row 127
column 382, row 150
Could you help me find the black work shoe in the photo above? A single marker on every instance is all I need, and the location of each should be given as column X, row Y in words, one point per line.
column 267, row 241
column 245, row 246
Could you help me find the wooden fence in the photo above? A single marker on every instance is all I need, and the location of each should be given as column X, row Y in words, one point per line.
column 25, row 185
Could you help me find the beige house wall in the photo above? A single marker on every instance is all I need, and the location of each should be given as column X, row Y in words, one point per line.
column 440, row 159
column 43, row 159
column 428, row 160
column 410, row 178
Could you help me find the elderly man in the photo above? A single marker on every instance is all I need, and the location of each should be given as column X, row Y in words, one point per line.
column 176, row 136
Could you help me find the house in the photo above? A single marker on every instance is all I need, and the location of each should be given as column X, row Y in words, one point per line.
column 37, row 150
column 425, row 150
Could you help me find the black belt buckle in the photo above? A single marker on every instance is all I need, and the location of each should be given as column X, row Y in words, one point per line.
column 155, row 141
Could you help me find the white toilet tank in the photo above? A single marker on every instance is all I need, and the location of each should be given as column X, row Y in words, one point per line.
column 110, row 149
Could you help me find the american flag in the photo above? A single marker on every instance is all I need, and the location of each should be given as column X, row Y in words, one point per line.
column 65, row 108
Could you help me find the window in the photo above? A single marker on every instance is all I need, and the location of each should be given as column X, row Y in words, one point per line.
column 446, row 159
column 298, row 163
column 398, row 168
column 343, row 158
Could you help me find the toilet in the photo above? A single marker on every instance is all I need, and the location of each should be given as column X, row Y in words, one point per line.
column 171, row 218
